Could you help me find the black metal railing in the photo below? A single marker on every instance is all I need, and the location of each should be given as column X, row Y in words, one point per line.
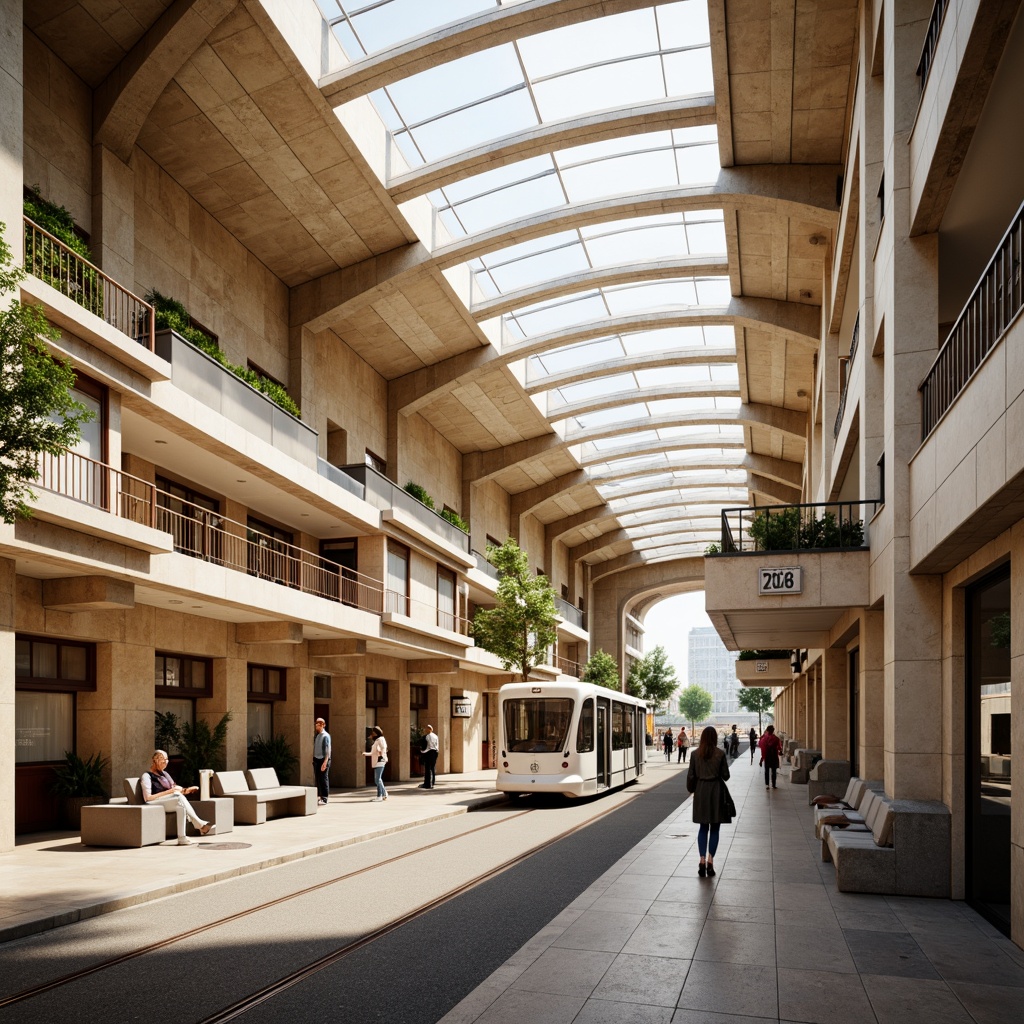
column 993, row 306
column 931, row 41
column 846, row 383
column 821, row 525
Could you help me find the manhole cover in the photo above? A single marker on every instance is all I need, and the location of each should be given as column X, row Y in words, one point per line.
column 225, row 846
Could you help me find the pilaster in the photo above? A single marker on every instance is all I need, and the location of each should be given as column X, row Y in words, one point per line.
column 8, row 591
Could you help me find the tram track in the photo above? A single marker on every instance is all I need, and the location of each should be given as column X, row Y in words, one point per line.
column 300, row 974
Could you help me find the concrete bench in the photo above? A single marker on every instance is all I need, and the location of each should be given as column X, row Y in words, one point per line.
column 903, row 848
column 851, row 806
column 804, row 760
column 124, row 824
column 258, row 795
column 827, row 777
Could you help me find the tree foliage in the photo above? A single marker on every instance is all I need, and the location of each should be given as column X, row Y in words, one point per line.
column 695, row 704
column 755, row 698
column 602, row 670
column 523, row 624
column 37, row 411
column 653, row 678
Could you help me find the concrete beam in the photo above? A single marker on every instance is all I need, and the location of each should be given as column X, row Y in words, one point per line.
column 479, row 466
column 272, row 632
column 432, row 667
column 687, row 389
column 639, row 118
column 471, row 35
column 526, row 501
column 336, row 648
column 87, row 593
column 124, row 100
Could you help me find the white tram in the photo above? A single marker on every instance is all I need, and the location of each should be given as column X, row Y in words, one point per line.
column 571, row 738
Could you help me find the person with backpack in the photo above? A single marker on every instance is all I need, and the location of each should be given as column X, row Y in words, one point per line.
column 682, row 745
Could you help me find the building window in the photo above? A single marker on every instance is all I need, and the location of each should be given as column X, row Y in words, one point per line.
column 44, row 664
column 191, row 517
column 259, row 721
column 376, row 693
column 44, row 726
column 881, row 478
column 270, row 552
column 180, row 675
column 265, row 683
column 417, row 697
column 321, row 687
column 396, row 583
column 374, row 461
column 446, row 615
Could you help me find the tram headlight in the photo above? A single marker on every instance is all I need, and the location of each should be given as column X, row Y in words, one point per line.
column 504, row 764
column 565, row 764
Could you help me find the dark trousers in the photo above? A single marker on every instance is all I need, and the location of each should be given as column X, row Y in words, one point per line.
column 773, row 768
column 323, row 782
column 682, row 755
column 429, row 760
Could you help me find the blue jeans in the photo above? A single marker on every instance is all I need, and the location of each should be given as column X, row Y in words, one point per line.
column 378, row 772
column 702, row 838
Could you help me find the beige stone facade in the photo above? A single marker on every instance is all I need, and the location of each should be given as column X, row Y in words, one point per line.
column 868, row 167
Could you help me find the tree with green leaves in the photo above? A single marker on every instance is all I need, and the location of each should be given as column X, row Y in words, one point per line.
column 695, row 704
column 756, row 698
column 521, row 627
column 602, row 671
column 38, row 415
column 653, row 678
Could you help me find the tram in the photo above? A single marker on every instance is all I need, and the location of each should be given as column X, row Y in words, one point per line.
column 572, row 738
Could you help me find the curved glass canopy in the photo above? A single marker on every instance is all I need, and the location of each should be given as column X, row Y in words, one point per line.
column 649, row 405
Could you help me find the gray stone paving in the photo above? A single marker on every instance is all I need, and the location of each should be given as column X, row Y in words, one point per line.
column 770, row 938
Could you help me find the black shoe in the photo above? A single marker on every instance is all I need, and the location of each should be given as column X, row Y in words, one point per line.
column 774, row 786
column 701, row 870
column 423, row 785
column 711, row 871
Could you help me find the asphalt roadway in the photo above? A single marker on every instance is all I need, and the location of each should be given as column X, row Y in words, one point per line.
column 415, row 973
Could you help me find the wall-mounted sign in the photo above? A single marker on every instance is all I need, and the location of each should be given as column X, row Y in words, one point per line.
column 462, row 707
column 784, row 580
column 760, row 666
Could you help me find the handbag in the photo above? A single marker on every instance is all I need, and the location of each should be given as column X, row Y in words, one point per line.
column 691, row 778
column 725, row 801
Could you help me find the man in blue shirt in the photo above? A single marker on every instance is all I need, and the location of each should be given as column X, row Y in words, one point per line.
column 322, row 760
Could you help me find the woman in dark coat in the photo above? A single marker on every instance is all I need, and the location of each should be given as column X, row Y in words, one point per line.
column 709, row 770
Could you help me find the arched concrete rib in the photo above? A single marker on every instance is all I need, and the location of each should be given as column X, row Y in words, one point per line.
column 584, row 280
column 524, row 502
column 590, row 456
column 805, row 192
column 638, row 119
column 470, row 35
column 753, row 414
column 629, row 472
column 603, row 514
column 694, row 570
column 125, row 98
column 643, row 486
column 597, row 544
column 708, row 356
column 688, row 389
column 779, row 493
column 782, row 471
column 793, row 321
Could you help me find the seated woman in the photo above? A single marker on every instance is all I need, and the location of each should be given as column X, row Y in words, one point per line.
column 158, row 785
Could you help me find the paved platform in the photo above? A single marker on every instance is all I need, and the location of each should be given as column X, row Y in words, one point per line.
column 52, row 879
column 770, row 938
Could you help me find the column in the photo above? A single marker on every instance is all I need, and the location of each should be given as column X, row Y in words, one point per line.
column 7, row 612
column 12, row 125
column 112, row 240
column 348, row 729
column 871, row 712
column 229, row 694
column 835, row 714
column 293, row 719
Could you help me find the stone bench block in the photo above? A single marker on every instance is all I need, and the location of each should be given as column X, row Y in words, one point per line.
column 828, row 777
column 123, row 825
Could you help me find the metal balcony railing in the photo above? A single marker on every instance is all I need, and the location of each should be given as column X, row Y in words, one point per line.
column 993, row 306
column 846, row 383
column 823, row 526
column 567, row 666
column 484, row 566
column 931, row 40
column 570, row 613
column 51, row 261
column 401, row 604
column 94, row 483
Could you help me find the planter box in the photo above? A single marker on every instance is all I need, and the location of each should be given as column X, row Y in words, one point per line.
column 765, row 672
column 217, row 387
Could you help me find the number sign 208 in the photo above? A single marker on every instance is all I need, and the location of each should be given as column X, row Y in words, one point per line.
column 781, row 580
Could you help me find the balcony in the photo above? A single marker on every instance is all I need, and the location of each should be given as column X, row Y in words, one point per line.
column 203, row 378
column 811, row 566
column 386, row 495
column 931, row 40
column 572, row 615
column 768, row 671
column 423, row 616
column 846, row 378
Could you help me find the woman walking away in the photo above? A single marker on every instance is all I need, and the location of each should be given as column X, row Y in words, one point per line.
column 771, row 749
column 753, row 743
column 667, row 740
column 682, row 745
column 712, row 805
column 378, row 755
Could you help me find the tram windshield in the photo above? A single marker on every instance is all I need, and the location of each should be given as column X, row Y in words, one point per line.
column 537, row 724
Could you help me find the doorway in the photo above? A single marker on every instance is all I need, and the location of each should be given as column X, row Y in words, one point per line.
column 603, row 734
column 987, row 726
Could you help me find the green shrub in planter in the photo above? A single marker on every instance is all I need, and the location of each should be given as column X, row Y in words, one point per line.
column 419, row 493
column 275, row 753
column 455, row 519
column 79, row 782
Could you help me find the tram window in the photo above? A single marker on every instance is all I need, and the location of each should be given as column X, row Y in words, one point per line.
column 585, row 730
column 537, row 724
column 622, row 733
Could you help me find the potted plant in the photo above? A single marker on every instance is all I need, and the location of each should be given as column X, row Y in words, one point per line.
column 202, row 747
column 275, row 753
column 79, row 782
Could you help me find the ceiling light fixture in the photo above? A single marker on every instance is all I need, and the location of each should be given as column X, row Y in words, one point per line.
column 158, row 441
column 817, row 239
column 804, row 293
column 175, row 602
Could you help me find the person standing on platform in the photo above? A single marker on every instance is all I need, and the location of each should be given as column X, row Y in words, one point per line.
column 734, row 743
column 667, row 741
column 709, row 771
column 682, row 745
column 378, row 754
column 321, row 761
column 429, row 758
column 753, row 743
column 771, row 750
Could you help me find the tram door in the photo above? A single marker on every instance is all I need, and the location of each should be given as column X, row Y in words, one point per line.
column 603, row 739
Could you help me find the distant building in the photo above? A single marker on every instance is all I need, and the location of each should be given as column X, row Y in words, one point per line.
column 714, row 668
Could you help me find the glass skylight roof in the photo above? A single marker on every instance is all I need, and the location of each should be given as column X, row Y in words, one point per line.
column 611, row 244
column 683, row 157
column 615, row 61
